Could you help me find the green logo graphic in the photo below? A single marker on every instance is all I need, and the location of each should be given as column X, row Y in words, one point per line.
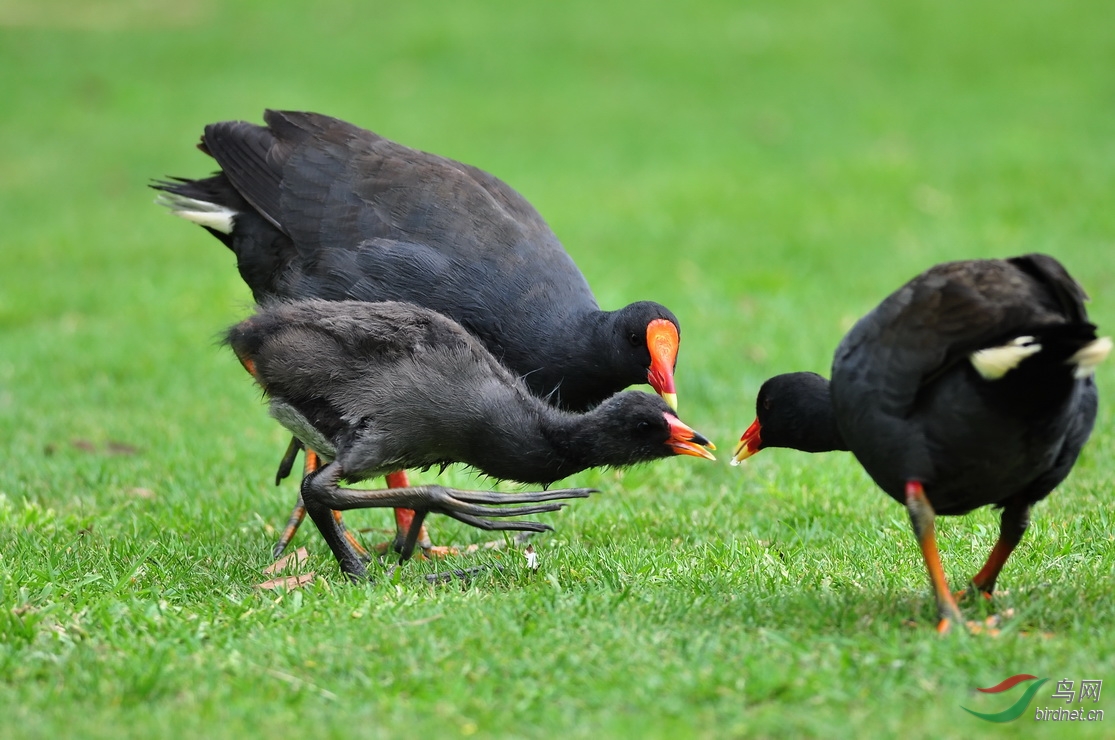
column 1014, row 711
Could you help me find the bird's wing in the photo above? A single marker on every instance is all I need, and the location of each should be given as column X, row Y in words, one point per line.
column 946, row 313
column 252, row 159
column 367, row 187
column 345, row 195
column 1051, row 274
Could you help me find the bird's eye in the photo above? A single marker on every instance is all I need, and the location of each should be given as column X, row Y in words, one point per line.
column 766, row 404
column 634, row 339
column 643, row 426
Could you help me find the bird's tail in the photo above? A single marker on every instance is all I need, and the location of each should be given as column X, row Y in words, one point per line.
column 1085, row 359
column 1073, row 344
column 211, row 202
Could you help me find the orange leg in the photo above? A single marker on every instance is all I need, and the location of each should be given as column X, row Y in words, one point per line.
column 984, row 581
column 404, row 518
column 298, row 513
column 921, row 517
column 1013, row 524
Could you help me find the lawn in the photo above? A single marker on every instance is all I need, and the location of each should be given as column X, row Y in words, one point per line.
column 770, row 171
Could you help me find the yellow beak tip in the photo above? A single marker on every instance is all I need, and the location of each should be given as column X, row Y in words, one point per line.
column 671, row 400
column 741, row 453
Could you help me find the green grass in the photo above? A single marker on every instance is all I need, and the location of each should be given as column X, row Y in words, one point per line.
column 768, row 170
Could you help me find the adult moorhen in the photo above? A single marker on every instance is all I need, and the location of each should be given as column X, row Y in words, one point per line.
column 314, row 207
column 374, row 387
column 971, row 385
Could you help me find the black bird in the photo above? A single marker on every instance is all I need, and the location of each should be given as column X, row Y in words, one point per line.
column 375, row 387
column 314, row 207
column 972, row 385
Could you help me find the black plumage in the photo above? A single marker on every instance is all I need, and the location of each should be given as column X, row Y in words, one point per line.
column 314, row 207
column 375, row 387
column 969, row 386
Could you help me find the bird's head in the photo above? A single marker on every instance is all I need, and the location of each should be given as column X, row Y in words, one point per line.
column 650, row 337
column 792, row 410
column 642, row 427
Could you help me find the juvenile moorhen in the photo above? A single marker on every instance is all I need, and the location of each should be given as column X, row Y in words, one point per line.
column 374, row 387
column 970, row 386
column 314, row 207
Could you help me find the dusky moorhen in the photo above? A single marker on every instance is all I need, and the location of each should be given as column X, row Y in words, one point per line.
column 374, row 387
column 972, row 385
column 314, row 207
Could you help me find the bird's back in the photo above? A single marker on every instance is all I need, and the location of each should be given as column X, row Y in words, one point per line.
column 373, row 220
column 404, row 377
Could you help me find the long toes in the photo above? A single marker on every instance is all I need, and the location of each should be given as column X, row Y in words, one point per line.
column 454, row 507
column 517, row 525
column 495, row 497
column 514, row 510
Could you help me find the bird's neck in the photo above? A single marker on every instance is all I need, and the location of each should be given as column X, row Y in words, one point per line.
column 548, row 444
column 823, row 434
column 525, row 440
column 809, row 423
column 587, row 367
column 575, row 440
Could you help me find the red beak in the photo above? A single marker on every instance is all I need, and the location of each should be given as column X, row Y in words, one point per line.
column 685, row 441
column 750, row 443
column 662, row 341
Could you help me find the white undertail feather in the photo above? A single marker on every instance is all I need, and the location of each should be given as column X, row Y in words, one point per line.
column 995, row 362
column 292, row 419
column 1087, row 357
column 218, row 218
